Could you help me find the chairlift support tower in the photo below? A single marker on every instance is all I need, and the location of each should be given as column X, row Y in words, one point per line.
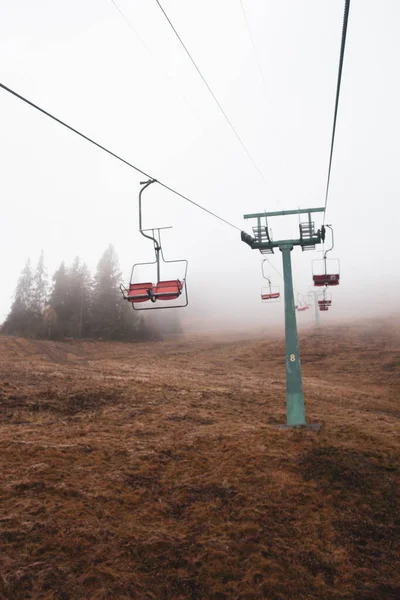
column 262, row 241
column 315, row 295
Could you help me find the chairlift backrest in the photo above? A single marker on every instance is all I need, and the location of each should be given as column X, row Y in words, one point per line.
column 327, row 279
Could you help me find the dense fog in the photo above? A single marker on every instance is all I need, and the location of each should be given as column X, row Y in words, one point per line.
column 81, row 61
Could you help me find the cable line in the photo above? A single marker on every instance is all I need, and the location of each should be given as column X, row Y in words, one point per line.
column 212, row 94
column 339, row 81
column 88, row 139
column 157, row 63
column 273, row 126
column 277, row 270
column 253, row 44
column 133, row 29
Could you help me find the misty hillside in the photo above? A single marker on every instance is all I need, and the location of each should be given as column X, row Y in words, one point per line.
column 148, row 470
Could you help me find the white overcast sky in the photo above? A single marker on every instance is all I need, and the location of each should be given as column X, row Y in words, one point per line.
column 82, row 62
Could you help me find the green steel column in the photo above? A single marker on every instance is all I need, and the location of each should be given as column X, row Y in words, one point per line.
column 316, row 307
column 295, row 414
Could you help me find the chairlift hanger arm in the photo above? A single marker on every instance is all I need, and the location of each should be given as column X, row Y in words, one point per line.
column 156, row 243
column 333, row 241
column 263, row 272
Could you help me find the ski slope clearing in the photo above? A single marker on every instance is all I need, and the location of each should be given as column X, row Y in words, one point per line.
column 155, row 471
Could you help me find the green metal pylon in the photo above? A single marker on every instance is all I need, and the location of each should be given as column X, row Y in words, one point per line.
column 261, row 240
column 295, row 414
column 316, row 307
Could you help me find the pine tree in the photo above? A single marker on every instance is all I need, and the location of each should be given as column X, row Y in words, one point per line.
column 107, row 307
column 39, row 297
column 20, row 320
column 60, row 302
column 40, row 286
column 86, row 301
column 76, row 306
column 79, row 299
column 111, row 315
column 49, row 321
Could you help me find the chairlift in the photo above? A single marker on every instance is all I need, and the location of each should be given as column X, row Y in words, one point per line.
column 301, row 305
column 326, row 302
column 326, row 272
column 270, row 293
column 163, row 291
column 266, row 294
column 303, row 308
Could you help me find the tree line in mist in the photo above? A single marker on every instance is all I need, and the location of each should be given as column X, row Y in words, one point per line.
column 78, row 305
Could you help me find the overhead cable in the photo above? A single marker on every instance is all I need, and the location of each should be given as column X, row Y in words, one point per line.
column 339, row 81
column 133, row 29
column 212, row 94
column 277, row 270
column 129, row 164
column 156, row 62
column 253, row 44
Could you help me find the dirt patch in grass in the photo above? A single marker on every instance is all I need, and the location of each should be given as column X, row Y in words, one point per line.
column 59, row 401
column 363, row 488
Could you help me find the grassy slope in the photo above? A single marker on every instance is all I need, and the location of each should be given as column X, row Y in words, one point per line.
column 153, row 471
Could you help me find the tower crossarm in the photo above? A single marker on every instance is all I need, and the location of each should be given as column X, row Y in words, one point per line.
column 261, row 239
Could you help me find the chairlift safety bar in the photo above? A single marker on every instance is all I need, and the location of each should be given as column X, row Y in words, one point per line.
column 157, row 228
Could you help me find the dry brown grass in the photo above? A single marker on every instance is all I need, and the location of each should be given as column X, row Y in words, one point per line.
column 154, row 471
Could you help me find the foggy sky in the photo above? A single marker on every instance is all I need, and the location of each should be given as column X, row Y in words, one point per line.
column 82, row 62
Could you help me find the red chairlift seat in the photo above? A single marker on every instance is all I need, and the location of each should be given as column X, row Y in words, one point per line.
column 139, row 292
column 322, row 307
column 164, row 290
column 168, row 290
column 325, row 302
column 273, row 296
column 329, row 279
column 269, row 292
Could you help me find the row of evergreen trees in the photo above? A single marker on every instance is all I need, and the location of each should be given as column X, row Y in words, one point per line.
column 75, row 305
